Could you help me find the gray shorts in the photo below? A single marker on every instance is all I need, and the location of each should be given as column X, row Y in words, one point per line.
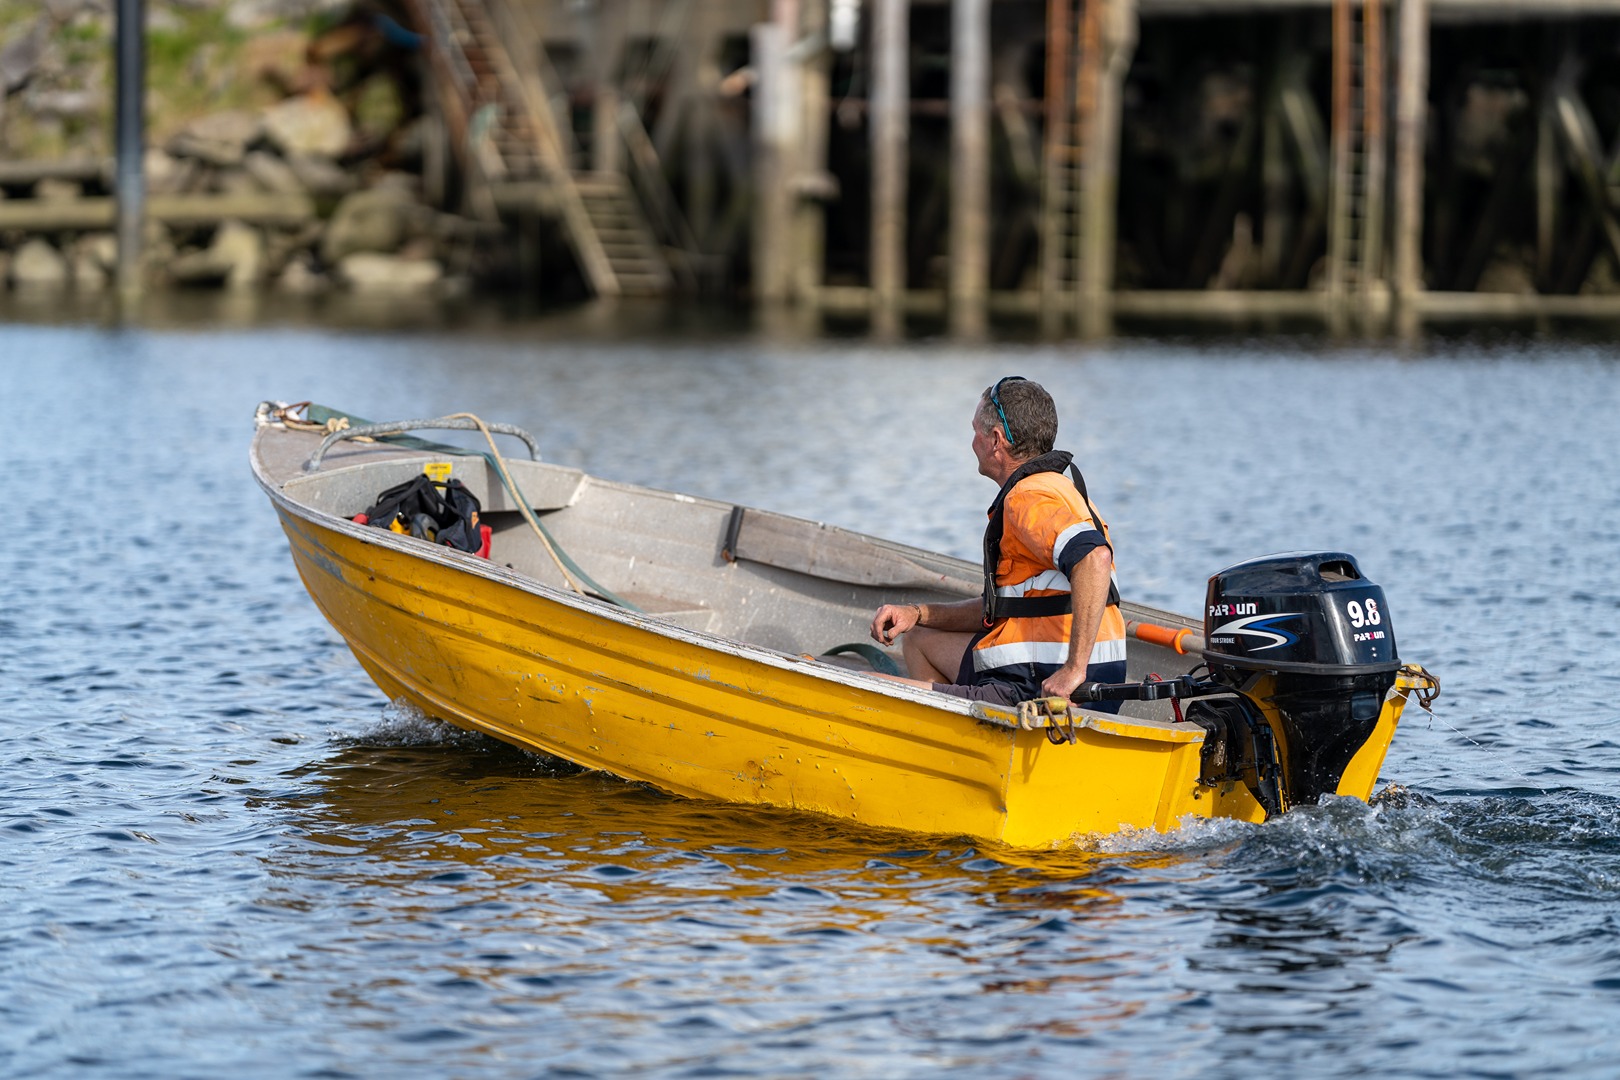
column 1008, row 695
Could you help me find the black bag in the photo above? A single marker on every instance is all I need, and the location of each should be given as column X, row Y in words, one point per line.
column 440, row 512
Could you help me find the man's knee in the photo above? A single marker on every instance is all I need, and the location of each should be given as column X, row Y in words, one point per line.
column 942, row 650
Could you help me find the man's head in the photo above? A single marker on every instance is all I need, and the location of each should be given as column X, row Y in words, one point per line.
column 1022, row 411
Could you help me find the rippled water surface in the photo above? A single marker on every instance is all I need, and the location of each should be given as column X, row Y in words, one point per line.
column 222, row 852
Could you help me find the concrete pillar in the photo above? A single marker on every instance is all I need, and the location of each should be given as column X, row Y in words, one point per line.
column 889, row 122
column 1411, row 111
column 970, row 167
column 131, row 142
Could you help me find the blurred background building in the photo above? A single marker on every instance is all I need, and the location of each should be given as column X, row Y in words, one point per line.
column 1068, row 161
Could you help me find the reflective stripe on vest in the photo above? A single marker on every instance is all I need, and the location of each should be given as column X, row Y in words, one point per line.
column 1052, row 653
column 1048, row 579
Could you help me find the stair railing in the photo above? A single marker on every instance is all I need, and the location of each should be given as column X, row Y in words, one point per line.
column 664, row 214
column 525, row 91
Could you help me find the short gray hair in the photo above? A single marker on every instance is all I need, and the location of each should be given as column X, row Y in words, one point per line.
column 1031, row 414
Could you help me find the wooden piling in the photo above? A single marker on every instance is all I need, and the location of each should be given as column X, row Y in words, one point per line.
column 889, row 124
column 1549, row 182
column 1100, row 198
column 775, row 118
column 1373, row 132
column 1411, row 112
column 811, row 182
column 609, row 30
column 970, row 166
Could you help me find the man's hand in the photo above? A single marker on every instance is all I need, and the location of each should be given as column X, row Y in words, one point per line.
column 1064, row 681
column 892, row 620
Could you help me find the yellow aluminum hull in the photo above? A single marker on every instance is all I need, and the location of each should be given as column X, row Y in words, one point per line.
column 554, row 676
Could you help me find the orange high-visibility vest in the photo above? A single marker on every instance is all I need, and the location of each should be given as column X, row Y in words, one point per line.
column 1047, row 527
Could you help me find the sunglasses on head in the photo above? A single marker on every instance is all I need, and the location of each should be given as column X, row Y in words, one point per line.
column 995, row 399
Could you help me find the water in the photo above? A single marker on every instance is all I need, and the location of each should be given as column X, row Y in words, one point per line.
column 223, row 853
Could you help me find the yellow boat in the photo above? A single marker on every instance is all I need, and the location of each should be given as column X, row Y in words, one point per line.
column 684, row 649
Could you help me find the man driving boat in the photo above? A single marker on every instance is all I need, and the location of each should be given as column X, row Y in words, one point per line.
column 1049, row 619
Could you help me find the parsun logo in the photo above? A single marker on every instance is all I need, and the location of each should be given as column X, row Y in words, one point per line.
column 1257, row 627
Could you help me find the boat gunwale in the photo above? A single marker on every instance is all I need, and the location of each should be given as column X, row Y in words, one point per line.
column 1149, row 729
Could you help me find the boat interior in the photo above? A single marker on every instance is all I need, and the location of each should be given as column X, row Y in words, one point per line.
column 745, row 575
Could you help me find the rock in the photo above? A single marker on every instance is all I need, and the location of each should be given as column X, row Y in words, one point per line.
column 37, row 265
column 378, row 109
column 277, row 58
column 5, row 268
column 204, row 267
column 88, row 273
column 320, row 176
column 164, row 21
column 219, row 138
column 53, row 190
column 67, row 104
column 242, row 247
column 63, row 10
column 372, row 273
column 157, row 248
column 300, row 279
column 235, row 259
column 166, row 174
column 236, row 182
column 272, row 174
column 100, row 248
column 313, row 123
column 378, row 220
column 252, row 14
column 20, row 56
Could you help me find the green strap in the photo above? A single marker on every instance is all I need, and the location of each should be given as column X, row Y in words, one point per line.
column 320, row 414
column 881, row 661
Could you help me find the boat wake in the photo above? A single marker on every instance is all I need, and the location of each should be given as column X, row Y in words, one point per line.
column 1562, row 845
column 403, row 724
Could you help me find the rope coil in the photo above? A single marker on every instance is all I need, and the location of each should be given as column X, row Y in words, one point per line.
column 1422, row 683
column 1054, row 714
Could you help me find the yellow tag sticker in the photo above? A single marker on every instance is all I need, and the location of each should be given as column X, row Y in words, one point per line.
column 438, row 471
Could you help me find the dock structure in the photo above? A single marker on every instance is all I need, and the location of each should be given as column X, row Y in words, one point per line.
column 1073, row 161
column 1358, row 163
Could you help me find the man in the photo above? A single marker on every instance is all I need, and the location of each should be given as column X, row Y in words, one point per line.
column 1049, row 619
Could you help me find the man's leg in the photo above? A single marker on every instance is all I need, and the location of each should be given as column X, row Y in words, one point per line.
column 934, row 656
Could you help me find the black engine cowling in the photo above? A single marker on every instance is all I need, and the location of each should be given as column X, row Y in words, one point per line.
column 1307, row 639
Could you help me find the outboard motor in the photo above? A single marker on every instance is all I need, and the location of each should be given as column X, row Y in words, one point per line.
column 1306, row 641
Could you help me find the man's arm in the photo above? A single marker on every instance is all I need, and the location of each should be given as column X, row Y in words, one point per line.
column 1088, row 588
column 892, row 620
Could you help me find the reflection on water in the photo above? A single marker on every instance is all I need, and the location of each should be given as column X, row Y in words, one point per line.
column 221, row 852
column 440, row 829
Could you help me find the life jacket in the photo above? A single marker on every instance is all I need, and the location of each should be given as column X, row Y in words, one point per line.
column 1030, row 607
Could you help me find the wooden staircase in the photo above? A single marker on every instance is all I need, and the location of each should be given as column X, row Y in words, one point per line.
column 501, row 125
column 1356, row 214
column 622, row 229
